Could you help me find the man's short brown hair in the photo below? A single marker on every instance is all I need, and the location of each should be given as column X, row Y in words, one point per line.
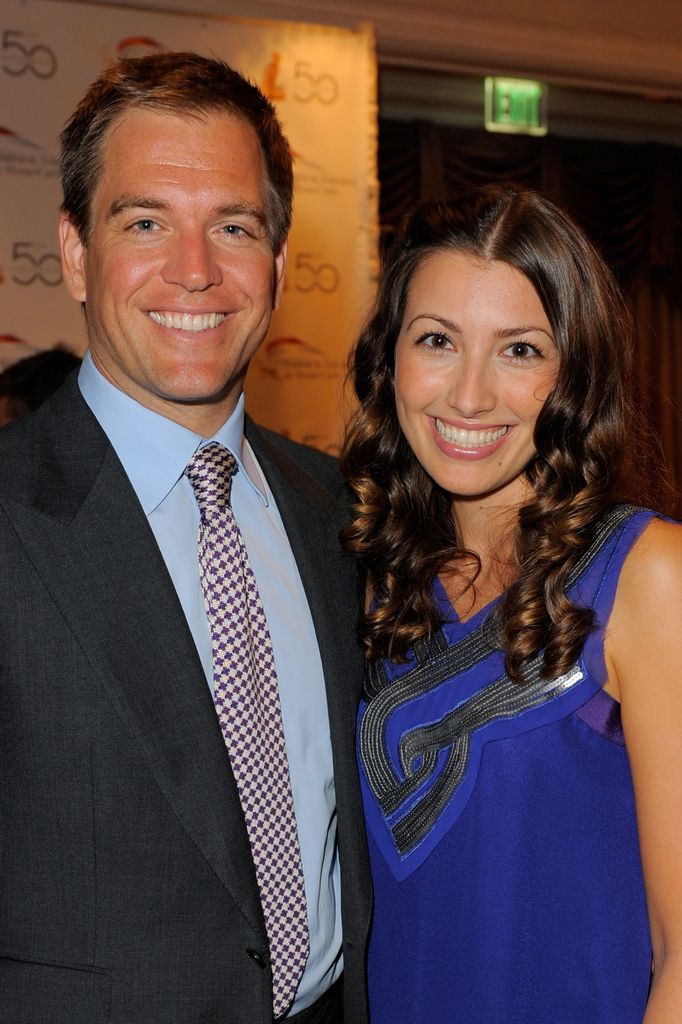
column 184, row 84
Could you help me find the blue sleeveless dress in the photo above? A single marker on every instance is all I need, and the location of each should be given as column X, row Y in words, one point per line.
column 502, row 831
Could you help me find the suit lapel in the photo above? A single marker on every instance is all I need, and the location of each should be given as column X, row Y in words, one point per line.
column 91, row 543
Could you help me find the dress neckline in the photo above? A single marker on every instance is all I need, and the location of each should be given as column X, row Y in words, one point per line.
column 450, row 615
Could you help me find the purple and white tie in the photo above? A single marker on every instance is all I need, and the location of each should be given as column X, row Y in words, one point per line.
column 246, row 697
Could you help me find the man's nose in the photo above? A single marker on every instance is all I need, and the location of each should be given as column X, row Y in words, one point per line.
column 192, row 263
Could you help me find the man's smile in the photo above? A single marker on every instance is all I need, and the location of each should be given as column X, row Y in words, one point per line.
column 187, row 321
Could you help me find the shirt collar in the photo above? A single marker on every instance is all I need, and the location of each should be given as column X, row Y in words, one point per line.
column 154, row 450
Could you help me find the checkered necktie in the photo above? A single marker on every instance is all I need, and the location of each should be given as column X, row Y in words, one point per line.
column 247, row 702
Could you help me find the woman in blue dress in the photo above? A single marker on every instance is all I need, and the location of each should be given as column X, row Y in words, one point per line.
column 520, row 737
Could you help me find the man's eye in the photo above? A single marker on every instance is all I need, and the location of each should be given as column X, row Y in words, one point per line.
column 144, row 225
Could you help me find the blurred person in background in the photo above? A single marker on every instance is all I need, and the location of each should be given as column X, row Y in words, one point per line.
column 26, row 384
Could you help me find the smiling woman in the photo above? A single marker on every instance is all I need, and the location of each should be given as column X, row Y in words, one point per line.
column 492, row 299
column 522, row 688
column 474, row 362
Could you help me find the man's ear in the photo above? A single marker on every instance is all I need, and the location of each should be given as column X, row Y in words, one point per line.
column 73, row 258
column 280, row 264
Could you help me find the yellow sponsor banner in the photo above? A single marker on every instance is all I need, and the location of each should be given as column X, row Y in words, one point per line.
column 323, row 83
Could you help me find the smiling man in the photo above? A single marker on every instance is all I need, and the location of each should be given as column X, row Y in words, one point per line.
column 178, row 803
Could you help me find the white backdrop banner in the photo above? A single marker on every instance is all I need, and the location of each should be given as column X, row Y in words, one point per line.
column 323, row 83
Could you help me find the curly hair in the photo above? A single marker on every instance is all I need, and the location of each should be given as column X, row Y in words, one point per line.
column 579, row 467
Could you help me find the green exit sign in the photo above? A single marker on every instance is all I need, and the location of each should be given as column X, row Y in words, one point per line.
column 515, row 105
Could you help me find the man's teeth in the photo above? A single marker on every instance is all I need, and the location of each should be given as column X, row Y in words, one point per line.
column 469, row 438
column 187, row 321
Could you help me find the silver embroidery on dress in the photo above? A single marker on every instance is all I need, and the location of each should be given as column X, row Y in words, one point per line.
column 421, row 749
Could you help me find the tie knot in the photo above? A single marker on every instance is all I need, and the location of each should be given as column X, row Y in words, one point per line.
column 210, row 472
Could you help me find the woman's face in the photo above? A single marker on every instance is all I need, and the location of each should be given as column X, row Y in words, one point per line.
column 474, row 362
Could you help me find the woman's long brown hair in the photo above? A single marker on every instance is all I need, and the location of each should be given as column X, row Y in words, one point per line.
column 403, row 531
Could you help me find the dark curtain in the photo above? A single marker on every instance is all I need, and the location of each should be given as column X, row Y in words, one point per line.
column 628, row 198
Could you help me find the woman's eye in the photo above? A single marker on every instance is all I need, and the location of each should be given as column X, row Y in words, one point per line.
column 435, row 341
column 523, row 350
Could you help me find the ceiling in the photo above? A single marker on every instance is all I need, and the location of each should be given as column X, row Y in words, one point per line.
column 614, row 67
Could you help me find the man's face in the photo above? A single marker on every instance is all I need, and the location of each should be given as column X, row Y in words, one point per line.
column 177, row 274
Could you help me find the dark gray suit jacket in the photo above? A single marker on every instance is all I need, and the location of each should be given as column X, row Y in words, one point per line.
column 127, row 890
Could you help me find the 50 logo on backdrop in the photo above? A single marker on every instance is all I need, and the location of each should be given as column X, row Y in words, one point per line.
column 20, row 55
column 32, row 262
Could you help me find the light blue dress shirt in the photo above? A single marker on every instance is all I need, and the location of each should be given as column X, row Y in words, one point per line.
column 154, row 452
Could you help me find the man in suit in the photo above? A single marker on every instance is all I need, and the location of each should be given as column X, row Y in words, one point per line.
column 135, row 885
